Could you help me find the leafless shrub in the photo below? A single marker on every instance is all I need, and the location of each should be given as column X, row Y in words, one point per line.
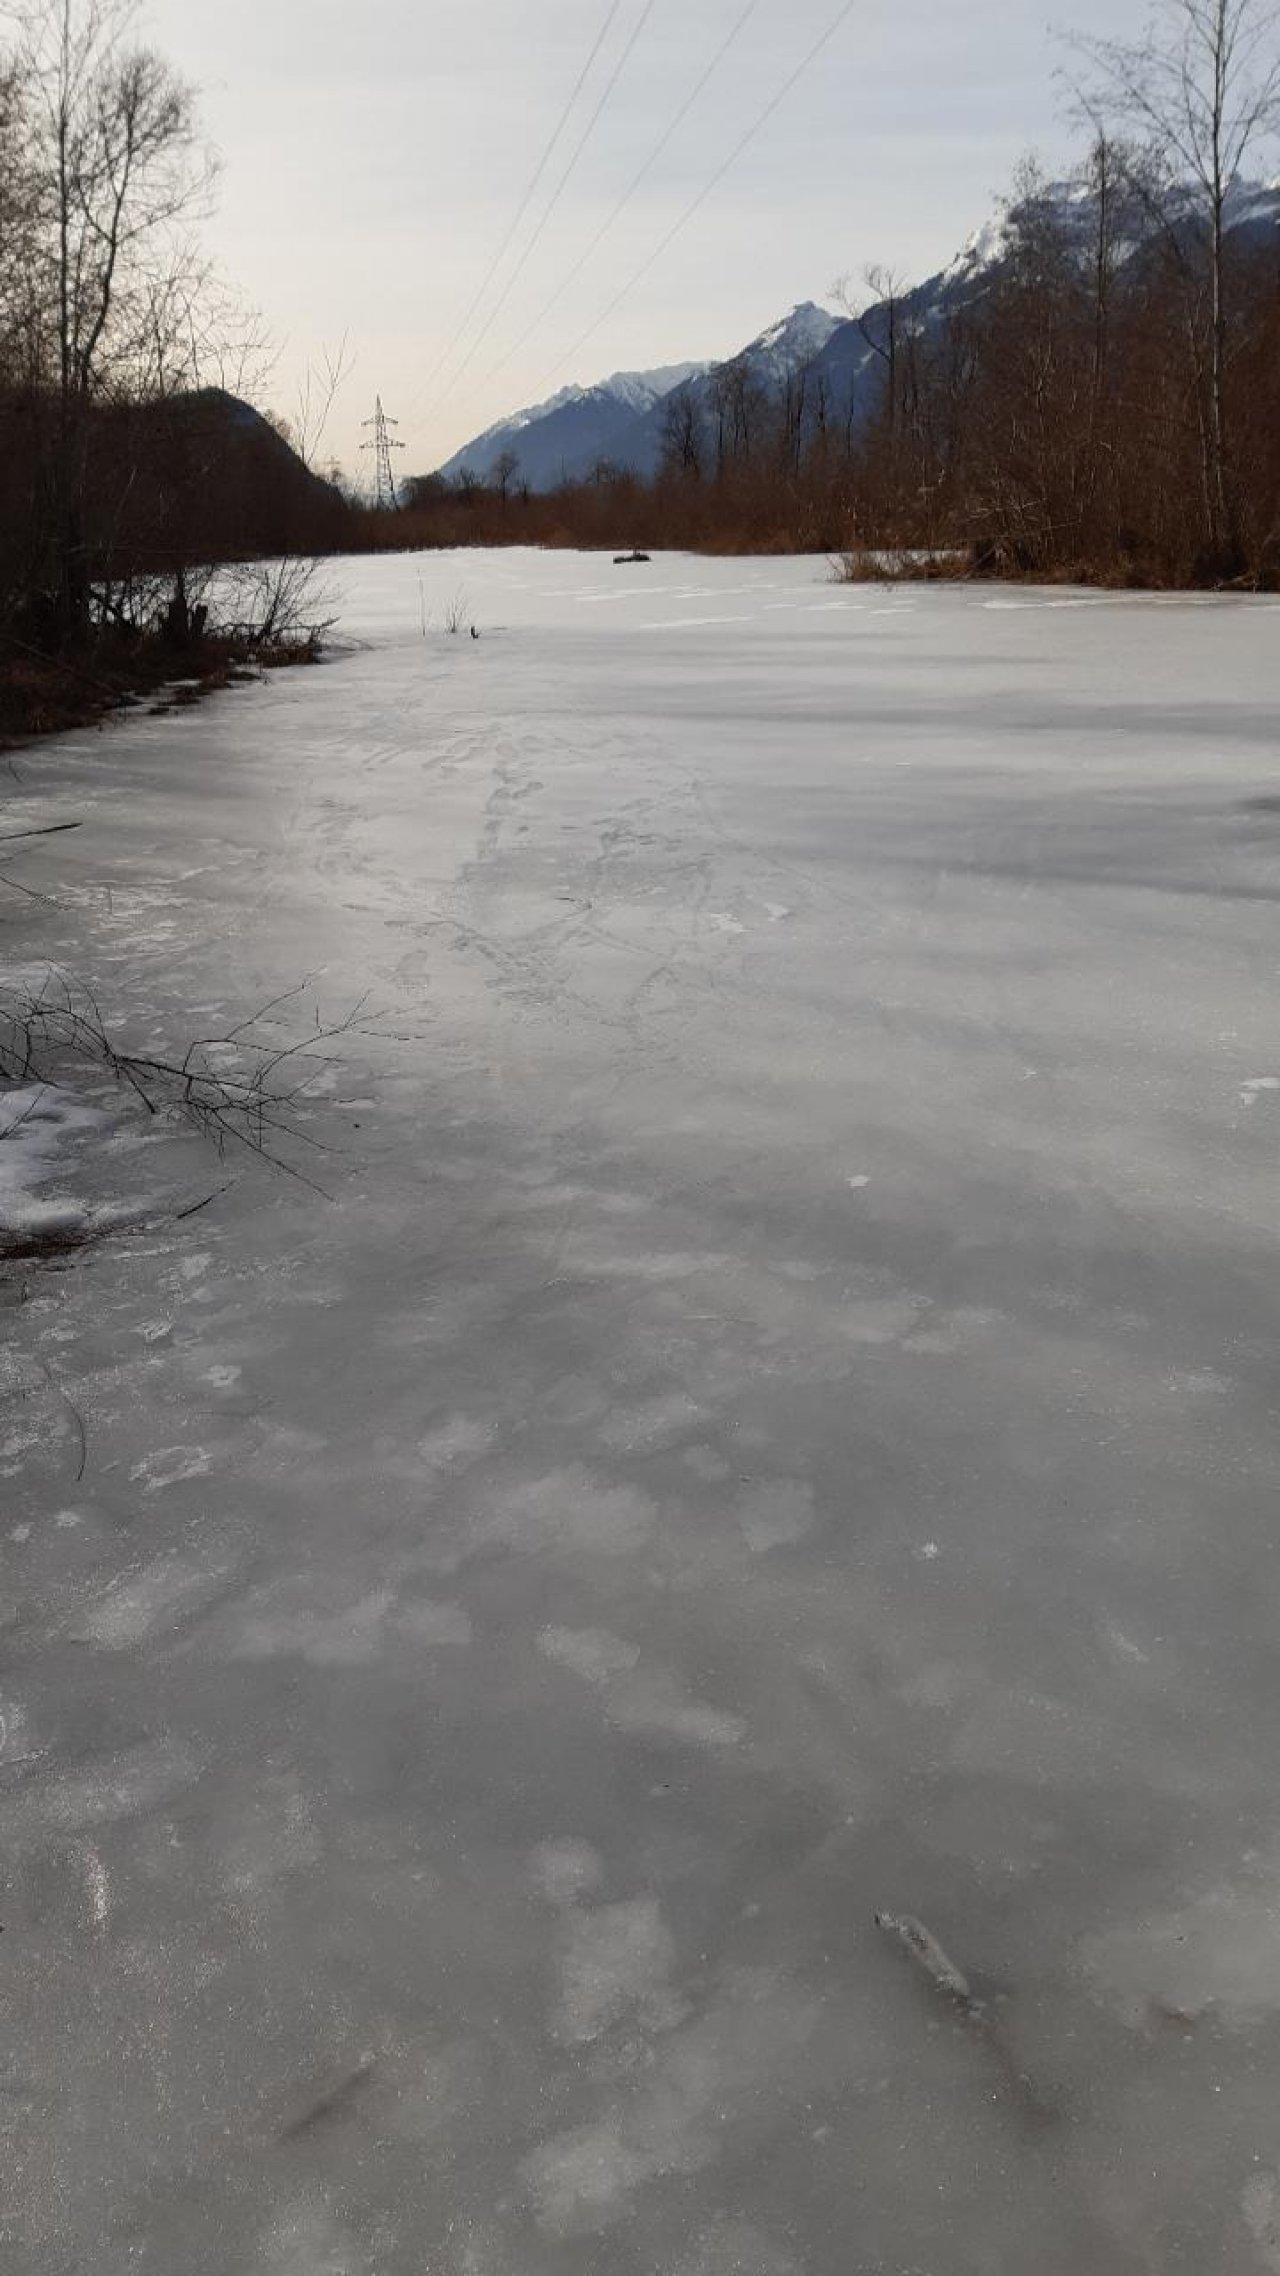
column 248, row 1086
column 274, row 606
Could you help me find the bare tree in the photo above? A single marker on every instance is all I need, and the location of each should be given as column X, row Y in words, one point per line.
column 321, row 384
column 195, row 329
column 115, row 146
column 21, row 330
column 681, row 446
column 880, row 322
column 505, row 470
column 1199, row 92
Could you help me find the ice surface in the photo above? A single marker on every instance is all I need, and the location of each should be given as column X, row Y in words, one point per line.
column 774, row 1423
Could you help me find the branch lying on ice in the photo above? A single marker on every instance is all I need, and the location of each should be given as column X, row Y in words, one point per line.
column 243, row 1085
column 46, row 830
column 923, row 1948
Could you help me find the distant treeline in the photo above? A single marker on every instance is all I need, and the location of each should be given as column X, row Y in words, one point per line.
column 1066, row 420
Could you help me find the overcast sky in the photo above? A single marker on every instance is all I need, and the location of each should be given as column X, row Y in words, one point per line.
column 375, row 157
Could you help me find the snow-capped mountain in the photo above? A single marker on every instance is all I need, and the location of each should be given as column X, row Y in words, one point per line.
column 620, row 419
column 574, row 429
column 794, row 341
column 624, row 419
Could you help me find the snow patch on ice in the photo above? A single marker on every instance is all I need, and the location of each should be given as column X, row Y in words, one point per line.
column 1219, row 1951
column 37, row 1122
column 746, row 2049
column 592, row 1653
column 732, row 2247
column 616, row 1962
column 170, row 1466
column 651, row 1424
column 15, row 1740
column 566, row 1870
column 305, row 2240
column 142, row 1604
column 99, row 1887
column 648, row 1701
column 125, row 1785
column 776, row 1514
column 1260, row 2204
column 569, row 1510
column 432, row 1624
column 272, row 1834
column 297, row 1617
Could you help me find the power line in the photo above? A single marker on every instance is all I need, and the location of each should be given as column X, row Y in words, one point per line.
column 524, row 205
column 629, row 193
column 708, row 188
column 556, row 195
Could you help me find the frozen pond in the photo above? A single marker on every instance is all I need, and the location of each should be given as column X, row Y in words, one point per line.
column 775, row 1423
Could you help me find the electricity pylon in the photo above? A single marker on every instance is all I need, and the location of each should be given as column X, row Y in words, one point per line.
column 382, row 444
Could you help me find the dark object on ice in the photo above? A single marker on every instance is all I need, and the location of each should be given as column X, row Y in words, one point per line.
column 624, row 560
column 474, row 634
column 923, row 1949
column 928, row 1955
column 42, row 1243
column 333, row 2101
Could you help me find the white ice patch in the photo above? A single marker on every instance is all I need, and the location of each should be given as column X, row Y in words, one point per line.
column 1219, row 1952
column 592, row 1653
column 568, row 1510
column 654, row 1423
column 272, row 1834
column 125, row 1785
column 454, row 1443
column 298, row 1618
column 433, row 1624
column 707, row 1464
column 880, row 1319
column 15, row 1737
column 37, row 1121
column 305, row 2240
column 745, row 2050
column 1252, row 1090
column 566, row 1870
column 776, row 1514
column 284, row 1620
column 645, row 1701
column 615, row 1962
column 143, row 1604
column 98, row 1887
column 170, row 1466
column 735, row 2248
column 1260, row 2204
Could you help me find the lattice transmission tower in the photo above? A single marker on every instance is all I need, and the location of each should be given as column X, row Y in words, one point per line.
column 382, row 443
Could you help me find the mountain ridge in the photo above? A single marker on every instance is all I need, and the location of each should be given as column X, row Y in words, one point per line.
column 624, row 421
